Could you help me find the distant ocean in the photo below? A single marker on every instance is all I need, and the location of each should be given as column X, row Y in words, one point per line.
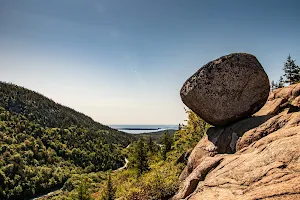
column 135, row 129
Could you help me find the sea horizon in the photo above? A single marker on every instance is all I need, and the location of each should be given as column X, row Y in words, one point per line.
column 143, row 128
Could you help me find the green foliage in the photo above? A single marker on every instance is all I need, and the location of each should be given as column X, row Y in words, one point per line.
column 291, row 74
column 155, row 136
column 160, row 180
column 43, row 143
column 82, row 191
column 109, row 194
column 150, row 145
column 167, row 142
column 279, row 84
column 45, row 112
column 189, row 135
column 291, row 71
column 139, row 157
column 159, row 183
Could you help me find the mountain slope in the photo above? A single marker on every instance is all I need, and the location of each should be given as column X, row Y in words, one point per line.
column 42, row 143
column 47, row 113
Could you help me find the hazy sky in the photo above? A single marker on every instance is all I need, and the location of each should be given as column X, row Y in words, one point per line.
column 124, row 61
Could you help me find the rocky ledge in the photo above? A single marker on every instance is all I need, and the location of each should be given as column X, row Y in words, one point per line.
column 253, row 158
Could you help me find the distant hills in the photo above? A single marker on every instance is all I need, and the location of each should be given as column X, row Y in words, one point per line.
column 47, row 113
column 42, row 143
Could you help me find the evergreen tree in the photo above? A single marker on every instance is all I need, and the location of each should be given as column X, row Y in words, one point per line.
column 1, row 193
column 109, row 193
column 167, row 141
column 190, row 133
column 291, row 71
column 150, row 145
column 179, row 126
column 274, row 85
column 280, row 83
column 140, row 157
column 83, row 191
column 167, row 145
column 110, row 189
column 164, row 153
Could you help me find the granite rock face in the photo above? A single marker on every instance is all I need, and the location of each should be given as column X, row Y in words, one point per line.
column 227, row 89
column 265, row 163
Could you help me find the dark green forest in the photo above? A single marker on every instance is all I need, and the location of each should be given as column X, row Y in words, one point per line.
column 155, row 136
column 43, row 143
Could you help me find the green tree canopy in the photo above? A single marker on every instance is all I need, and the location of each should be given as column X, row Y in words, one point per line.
column 291, row 71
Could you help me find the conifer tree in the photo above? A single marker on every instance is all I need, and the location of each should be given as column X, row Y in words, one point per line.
column 109, row 193
column 274, row 85
column 151, row 145
column 280, row 83
column 83, row 191
column 291, row 71
column 167, row 145
column 190, row 133
column 140, row 157
column 110, row 189
column 179, row 126
column 167, row 141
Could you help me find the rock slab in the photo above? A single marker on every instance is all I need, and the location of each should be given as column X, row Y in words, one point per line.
column 227, row 89
column 266, row 164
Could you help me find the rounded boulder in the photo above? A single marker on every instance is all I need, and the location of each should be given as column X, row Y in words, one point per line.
column 227, row 89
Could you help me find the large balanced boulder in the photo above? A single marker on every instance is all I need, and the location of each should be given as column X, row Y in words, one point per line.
column 227, row 89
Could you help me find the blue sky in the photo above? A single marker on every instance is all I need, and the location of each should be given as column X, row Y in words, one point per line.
column 124, row 61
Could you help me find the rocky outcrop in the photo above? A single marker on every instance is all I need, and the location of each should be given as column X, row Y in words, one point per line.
column 283, row 101
column 198, row 174
column 267, row 169
column 184, row 157
column 254, row 158
column 220, row 140
column 227, row 89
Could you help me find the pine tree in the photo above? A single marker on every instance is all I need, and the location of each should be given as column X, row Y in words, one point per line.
column 292, row 71
column 109, row 193
column 280, row 83
column 274, row 85
column 140, row 157
column 164, row 153
column 110, row 189
column 179, row 126
column 151, row 145
column 167, row 142
column 82, row 191
column 190, row 133
column 1, row 193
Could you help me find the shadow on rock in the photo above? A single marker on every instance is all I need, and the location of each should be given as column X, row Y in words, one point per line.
column 225, row 138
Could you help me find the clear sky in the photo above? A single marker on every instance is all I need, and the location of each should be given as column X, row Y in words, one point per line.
column 124, row 61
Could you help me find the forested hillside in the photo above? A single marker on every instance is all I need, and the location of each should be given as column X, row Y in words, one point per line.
column 156, row 136
column 43, row 143
column 152, row 172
